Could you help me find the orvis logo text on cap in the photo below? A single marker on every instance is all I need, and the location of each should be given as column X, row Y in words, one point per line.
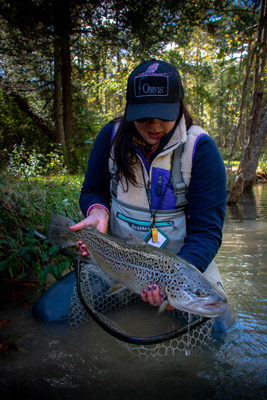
column 151, row 85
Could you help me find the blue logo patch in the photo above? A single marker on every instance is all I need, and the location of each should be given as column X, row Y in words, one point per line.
column 151, row 85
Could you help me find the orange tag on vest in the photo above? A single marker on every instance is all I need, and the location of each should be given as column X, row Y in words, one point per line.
column 154, row 233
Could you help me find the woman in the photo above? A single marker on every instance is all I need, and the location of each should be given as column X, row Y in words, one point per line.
column 154, row 174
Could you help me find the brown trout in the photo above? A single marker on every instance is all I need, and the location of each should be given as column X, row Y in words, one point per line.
column 136, row 265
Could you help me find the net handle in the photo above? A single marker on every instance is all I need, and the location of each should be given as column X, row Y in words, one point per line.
column 137, row 340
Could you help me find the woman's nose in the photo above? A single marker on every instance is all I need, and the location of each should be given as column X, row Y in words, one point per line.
column 153, row 122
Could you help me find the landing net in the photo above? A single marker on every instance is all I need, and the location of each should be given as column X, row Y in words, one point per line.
column 127, row 315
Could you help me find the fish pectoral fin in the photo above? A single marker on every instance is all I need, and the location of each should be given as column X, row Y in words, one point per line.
column 117, row 288
column 163, row 306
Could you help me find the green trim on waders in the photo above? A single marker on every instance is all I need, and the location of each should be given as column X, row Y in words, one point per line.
column 142, row 223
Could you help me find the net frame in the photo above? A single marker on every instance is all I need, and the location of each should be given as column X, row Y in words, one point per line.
column 119, row 333
column 150, row 346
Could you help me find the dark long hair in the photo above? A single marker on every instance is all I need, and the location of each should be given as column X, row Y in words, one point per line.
column 124, row 150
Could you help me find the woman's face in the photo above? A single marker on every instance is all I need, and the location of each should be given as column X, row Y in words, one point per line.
column 152, row 129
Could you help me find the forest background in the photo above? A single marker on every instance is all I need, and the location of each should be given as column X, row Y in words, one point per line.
column 63, row 75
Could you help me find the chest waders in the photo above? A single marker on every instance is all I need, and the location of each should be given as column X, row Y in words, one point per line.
column 128, row 219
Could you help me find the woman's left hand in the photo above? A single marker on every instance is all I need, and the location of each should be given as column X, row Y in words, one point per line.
column 154, row 296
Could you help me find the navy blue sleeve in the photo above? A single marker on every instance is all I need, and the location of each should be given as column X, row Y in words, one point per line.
column 95, row 187
column 206, row 197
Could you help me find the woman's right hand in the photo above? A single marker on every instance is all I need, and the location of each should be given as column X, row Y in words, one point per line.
column 154, row 296
column 99, row 218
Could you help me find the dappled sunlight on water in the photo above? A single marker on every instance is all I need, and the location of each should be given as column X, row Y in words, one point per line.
column 55, row 361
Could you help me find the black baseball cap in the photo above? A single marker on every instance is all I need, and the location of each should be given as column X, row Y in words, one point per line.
column 154, row 90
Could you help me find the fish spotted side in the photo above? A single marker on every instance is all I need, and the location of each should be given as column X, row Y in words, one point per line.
column 135, row 265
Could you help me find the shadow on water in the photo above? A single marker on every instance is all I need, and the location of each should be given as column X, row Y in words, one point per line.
column 251, row 206
column 52, row 361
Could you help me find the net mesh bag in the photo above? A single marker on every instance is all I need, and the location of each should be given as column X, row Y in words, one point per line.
column 134, row 316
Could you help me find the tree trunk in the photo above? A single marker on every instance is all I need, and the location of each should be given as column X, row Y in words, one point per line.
column 250, row 175
column 120, row 100
column 238, row 187
column 66, row 87
column 58, row 98
column 239, row 128
column 63, row 97
column 40, row 123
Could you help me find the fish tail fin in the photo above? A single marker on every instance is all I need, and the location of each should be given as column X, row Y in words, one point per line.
column 59, row 232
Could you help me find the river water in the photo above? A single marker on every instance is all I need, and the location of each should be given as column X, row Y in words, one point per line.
column 52, row 361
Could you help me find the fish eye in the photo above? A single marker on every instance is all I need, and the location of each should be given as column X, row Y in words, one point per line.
column 199, row 293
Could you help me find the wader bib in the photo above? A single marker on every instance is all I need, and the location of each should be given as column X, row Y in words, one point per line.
column 170, row 224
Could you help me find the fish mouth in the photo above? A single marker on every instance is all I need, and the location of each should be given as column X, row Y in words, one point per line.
column 206, row 308
column 214, row 308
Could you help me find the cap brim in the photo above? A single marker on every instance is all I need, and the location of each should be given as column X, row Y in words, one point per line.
column 166, row 111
